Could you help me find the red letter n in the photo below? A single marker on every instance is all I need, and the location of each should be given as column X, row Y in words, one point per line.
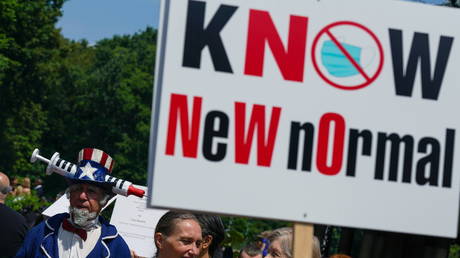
column 261, row 29
column 243, row 139
column 178, row 110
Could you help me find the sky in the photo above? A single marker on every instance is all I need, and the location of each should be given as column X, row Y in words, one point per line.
column 94, row 20
column 429, row 1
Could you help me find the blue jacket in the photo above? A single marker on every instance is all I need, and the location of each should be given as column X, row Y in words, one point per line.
column 41, row 241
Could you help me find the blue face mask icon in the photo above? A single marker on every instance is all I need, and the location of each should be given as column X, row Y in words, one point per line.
column 336, row 63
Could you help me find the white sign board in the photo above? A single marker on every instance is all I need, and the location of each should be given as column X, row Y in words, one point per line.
column 136, row 224
column 329, row 112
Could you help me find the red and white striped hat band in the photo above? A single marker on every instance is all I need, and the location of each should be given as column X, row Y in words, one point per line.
column 97, row 156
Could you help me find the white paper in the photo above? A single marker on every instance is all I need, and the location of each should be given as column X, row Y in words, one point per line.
column 136, row 223
column 59, row 206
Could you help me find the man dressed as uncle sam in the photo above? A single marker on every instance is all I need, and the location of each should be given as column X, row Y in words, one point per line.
column 81, row 232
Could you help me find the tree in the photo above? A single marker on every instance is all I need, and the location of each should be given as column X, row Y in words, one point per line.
column 454, row 3
column 28, row 40
column 104, row 94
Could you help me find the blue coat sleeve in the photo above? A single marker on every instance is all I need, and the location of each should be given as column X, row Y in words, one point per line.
column 119, row 248
column 31, row 242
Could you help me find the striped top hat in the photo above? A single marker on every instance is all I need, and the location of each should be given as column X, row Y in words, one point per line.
column 93, row 167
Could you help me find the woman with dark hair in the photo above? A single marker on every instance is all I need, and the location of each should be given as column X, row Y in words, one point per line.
column 178, row 234
column 213, row 233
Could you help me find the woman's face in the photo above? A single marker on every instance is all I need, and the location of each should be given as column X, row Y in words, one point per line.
column 275, row 250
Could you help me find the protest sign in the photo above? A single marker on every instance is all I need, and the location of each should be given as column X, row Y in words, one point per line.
column 347, row 110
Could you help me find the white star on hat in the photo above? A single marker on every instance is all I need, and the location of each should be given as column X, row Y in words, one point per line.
column 88, row 171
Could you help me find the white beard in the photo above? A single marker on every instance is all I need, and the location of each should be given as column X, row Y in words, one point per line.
column 82, row 218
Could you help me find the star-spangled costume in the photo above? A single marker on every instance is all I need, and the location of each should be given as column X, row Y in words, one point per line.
column 42, row 240
column 57, row 237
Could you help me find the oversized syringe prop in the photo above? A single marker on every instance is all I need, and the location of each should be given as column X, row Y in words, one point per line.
column 67, row 169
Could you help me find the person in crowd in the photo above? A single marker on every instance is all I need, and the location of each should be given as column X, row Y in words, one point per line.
column 281, row 244
column 13, row 227
column 81, row 232
column 263, row 243
column 38, row 187
column 251, row 250
column 178, row 234
column 17, row 187
column 213, row 233
column 26, row 186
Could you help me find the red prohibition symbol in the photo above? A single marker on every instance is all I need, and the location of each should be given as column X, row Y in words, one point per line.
column 368, row 78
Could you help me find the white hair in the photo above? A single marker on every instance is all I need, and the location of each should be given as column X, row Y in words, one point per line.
column 285, row 236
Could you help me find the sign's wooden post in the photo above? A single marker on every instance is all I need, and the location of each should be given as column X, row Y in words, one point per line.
column 303, row 240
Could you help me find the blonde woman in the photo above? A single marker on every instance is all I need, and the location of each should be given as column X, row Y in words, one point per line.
column 281, row 244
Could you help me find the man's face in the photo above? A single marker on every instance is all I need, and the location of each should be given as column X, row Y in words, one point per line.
column 86, row 196
column 184, row 241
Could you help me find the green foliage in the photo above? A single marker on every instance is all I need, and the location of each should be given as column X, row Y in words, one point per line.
column 454, row 251
column 24, row 132
column 102, row 96
column 26, row 203
column 241, row 230
column 28, row 42
column 73, row 95
column 453, row 3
